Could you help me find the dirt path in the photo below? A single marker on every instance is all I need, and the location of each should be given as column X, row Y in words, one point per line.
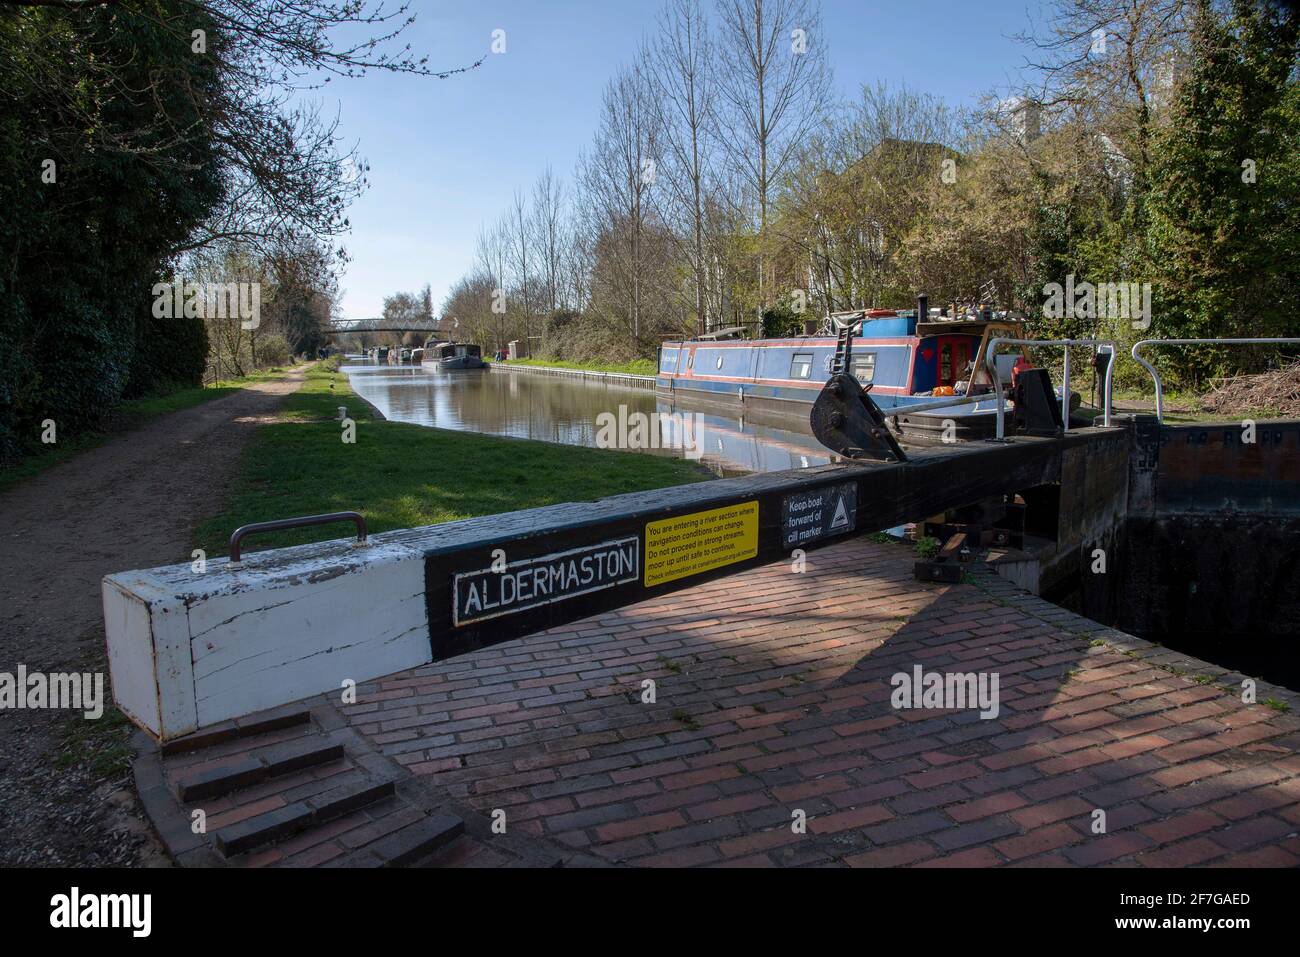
column 131, row 503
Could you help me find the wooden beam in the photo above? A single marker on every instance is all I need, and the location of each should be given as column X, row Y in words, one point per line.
column 190, row 649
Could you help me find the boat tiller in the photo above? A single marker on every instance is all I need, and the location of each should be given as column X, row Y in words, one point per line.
column 849, row 423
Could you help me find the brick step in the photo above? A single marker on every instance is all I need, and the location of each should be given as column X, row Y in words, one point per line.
column 230, row 774
column 284, row 822
column 408, row 846
column 255, row 724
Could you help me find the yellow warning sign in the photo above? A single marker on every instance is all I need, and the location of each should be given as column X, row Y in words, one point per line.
column 690, row 544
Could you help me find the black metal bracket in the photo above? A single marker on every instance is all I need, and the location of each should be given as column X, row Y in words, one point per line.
column 1037, row 411
column 849, row 423
column 306, row 521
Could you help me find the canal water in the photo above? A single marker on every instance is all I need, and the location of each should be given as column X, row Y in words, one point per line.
column 529, row 405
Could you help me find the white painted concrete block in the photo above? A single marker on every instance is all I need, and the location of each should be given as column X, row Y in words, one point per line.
column 189, row 650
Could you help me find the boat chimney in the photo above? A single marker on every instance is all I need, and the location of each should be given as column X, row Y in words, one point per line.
column 922, row 308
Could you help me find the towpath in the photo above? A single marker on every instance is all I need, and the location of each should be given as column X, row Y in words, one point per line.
column 130, row 503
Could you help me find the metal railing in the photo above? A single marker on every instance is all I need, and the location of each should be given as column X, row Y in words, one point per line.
column 1160, row 387
column 991, row 361
column 236, row 554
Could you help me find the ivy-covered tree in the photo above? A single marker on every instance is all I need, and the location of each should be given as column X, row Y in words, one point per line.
column 1225, row 232
column 93, row 192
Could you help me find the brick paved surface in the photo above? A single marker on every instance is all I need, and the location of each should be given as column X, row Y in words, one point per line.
column 772, row 696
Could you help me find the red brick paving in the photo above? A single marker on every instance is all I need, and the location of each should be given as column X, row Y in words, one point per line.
column 772, row 696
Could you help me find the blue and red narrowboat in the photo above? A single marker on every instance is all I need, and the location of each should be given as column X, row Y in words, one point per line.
column 907, row 361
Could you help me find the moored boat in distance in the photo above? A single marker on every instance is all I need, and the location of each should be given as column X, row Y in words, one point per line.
column 453, row 355
column 908, row 358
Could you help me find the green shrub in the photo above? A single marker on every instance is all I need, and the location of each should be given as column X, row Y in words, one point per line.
column 780, row 321
column 272, row 350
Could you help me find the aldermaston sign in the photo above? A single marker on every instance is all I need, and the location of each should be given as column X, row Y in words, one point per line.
column 514, row 587
column 189, row 649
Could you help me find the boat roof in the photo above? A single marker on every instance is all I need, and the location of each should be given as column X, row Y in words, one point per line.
column 967, row 324
column 730, row 332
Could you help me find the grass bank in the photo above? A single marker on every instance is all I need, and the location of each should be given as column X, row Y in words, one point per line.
column 129, row 414
column 635, row 367
column 401, row 476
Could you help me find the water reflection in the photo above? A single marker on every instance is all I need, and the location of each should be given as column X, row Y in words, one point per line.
column 564, row 410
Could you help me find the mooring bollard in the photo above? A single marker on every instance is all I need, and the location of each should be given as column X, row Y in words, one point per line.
column 343, row 412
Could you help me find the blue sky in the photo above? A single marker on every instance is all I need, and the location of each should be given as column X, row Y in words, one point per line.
column 446, row 155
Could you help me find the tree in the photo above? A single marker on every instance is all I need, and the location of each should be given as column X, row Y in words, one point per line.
column 683, row 82
column 134, row 132
column 405, row 309
column 773, row 86
column 305, row 294
column 548, row 212
column 88, row 208
column 861, row 183
column 281, row 170
column 974, row 230
column 520, row 231
column 1112, row 66
column 617, row 176
column 1227, row 171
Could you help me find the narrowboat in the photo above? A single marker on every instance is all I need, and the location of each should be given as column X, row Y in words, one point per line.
column 454, row 355
column 909, row 358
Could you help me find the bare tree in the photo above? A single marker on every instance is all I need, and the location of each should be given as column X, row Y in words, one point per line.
column 520, row 232
column 1112, row 63
column 684, row 85
column 774, row 85
column 493, row 253
column 548, row 216
column 617, row 177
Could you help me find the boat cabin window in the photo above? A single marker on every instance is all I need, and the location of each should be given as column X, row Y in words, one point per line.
column 801, row 365
column 862, row 366
column 690, row 360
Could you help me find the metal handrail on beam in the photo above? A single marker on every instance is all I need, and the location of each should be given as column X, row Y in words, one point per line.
column 1160, row 388
column 305, row 521
column 1065, row 383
